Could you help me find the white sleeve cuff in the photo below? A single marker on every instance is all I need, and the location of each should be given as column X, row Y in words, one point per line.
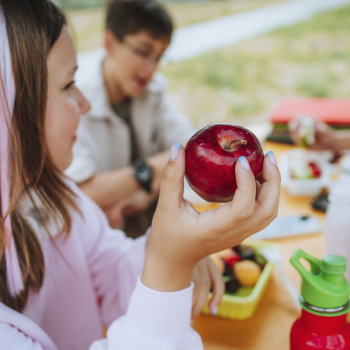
column 160, row 317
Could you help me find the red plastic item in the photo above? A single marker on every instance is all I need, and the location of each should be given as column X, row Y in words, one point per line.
column 318, row 332
column 330, row 110
column 316, row 171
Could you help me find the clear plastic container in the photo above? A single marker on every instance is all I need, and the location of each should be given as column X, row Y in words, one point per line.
column 337, row 231
column 305, row 187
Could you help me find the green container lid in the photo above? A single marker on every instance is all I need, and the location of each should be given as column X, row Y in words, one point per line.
column 325, row 285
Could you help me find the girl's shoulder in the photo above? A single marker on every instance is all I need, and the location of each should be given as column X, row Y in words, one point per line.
column 87, row 207
column 46, row 225
column 19, row 332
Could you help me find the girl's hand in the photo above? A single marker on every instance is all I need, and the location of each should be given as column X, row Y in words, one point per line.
column 135, row 202
column 205, row 275
column 181, row 236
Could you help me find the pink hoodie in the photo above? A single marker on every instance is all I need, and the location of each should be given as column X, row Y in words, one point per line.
column 89, row 284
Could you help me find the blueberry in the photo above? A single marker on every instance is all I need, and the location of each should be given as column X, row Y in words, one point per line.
column 247, row 253
column 232, row 285
column 228, row 271
column 237, row 248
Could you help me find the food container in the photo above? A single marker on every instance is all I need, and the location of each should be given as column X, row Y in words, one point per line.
column 305, row 187
column 242, row 304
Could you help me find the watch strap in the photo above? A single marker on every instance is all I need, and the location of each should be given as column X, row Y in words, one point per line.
column 143, row 174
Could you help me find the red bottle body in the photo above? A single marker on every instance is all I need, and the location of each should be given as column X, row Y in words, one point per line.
column 318, row 332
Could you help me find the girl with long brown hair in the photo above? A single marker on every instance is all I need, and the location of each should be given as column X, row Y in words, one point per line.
column 64, row 273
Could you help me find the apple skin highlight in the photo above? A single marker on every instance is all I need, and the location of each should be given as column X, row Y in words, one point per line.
column 211, row 157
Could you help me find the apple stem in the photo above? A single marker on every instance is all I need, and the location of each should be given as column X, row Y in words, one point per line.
column 229, row 146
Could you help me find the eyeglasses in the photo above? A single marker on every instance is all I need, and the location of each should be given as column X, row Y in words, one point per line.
column 141, row 53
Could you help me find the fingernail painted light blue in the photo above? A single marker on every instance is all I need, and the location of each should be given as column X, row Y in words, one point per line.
column 272, row 158
column 178, row 146
column 175, row 150
column 244, row 162
column 214, row 311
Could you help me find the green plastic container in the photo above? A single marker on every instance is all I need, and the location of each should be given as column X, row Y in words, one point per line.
column 241, row 306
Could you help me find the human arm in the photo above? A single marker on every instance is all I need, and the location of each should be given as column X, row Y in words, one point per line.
column 13, row 339
column 172, row 125
column 206, row 275
column 159, row 312
column 181, row 236
column 326, row 138
column 116, row 261
column 127, row 333
column 341, row 140
column 110, row 187
column 136, row 202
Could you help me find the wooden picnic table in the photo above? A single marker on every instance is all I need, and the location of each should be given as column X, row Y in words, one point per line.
column 270, row 325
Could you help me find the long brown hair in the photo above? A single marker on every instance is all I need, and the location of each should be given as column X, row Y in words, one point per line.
column 32, row 27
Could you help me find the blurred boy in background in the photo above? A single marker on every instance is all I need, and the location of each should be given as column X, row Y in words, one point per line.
column 123, row 141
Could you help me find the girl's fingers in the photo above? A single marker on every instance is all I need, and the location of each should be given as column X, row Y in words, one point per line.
column 258, row 186
column 203, row 289
column 269, row 171
column 172, row 185
column 266, row 206
column 201, row 301
column 240, row 209
column 218, row 287
column 259, row 212
column 271, row 181
column 196, row 289
column 245, row 193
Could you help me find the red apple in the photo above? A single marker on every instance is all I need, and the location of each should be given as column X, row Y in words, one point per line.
column 211, row 156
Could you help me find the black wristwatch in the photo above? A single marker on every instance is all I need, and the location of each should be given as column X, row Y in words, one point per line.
column 143, row 174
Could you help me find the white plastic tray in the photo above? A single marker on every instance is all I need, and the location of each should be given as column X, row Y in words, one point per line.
column 308, row 187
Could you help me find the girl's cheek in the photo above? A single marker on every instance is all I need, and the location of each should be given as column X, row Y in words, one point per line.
column 73, row 114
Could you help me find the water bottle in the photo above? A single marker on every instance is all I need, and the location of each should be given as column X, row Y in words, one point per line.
column 337, row 232
column 324, row 300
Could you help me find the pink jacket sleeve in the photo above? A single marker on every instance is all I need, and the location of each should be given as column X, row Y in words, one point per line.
column 154, row 321
column 140, row 318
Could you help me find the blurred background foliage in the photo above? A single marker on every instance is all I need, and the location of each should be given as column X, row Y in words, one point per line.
column 241, row 83
column 82, row 3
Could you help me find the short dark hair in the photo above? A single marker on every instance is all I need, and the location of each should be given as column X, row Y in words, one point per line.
column 131, row 16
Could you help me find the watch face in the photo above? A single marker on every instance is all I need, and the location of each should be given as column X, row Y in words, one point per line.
column 144, row 174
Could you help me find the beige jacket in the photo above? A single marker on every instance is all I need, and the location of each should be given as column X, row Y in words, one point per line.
column 104, row 142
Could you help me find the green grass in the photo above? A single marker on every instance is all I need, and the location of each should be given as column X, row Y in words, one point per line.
column 88, row 23
column 88, row 27
column 189, row 12
column 241, row 83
